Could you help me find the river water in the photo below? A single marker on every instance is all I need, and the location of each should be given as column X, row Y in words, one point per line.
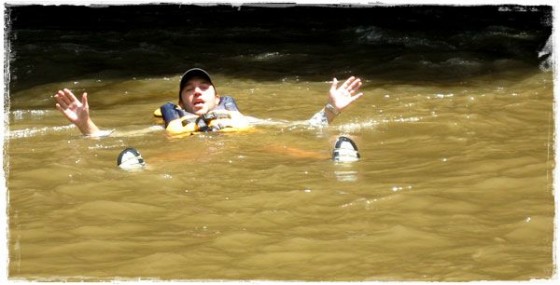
column 455, row 131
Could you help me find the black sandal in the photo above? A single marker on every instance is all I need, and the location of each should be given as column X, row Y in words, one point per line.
column 130, row 158
column 345, row 150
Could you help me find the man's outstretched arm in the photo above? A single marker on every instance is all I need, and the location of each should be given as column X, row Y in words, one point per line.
column 339, row 98
column 77, row 112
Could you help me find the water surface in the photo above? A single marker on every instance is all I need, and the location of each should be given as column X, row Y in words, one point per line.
column 454, row 184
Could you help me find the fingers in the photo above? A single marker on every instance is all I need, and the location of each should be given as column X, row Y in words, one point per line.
column 60, row 108
column 61, row 98
column 348, row 82
column 334, row 84
column 352, row 84
column 65, row 98
column 356, row 97
column 64, row 112
column 84, row 100
column 69, row 95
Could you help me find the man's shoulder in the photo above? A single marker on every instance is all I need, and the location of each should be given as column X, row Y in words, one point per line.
column 228, row 103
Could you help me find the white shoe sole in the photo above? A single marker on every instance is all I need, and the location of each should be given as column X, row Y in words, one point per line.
column 345, row 150
column 129, row 159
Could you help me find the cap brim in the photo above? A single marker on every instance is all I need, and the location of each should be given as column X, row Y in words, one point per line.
column 195, row 72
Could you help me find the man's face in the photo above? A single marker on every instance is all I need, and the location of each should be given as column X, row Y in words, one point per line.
column 199, row 96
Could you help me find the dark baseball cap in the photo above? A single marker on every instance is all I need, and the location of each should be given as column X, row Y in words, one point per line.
column 193, row 72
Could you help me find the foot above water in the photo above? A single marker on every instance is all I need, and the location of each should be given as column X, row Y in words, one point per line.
column 345, row 150
column 130, row 158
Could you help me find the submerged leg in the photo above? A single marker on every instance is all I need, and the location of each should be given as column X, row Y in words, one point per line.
column 345, row 150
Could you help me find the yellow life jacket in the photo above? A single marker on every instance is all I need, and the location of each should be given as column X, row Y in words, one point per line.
column 225, row 117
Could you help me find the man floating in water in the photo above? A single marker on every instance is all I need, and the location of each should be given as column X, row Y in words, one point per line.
column 201, row 109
